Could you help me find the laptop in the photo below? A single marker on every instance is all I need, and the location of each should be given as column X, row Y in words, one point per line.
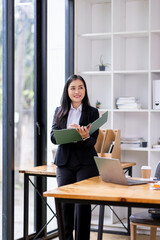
column 110, row 170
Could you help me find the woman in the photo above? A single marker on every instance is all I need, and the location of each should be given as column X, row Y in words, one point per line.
column 75, row 161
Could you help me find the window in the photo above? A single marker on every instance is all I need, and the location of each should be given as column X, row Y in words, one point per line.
column 24, row 107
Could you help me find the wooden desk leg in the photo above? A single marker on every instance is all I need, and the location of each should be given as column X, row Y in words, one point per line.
column 60, row 219
column 26, row 202
column 100, row 225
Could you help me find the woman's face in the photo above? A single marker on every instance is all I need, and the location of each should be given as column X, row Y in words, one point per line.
column 76, row 92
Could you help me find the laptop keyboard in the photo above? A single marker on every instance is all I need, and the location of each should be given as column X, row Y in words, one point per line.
column 135, row 182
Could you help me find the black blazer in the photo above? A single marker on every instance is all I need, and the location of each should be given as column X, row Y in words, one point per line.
column 83, row 151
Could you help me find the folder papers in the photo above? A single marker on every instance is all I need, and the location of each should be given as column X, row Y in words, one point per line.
column 70, row 135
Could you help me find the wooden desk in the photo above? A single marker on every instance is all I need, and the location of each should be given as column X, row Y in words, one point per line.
column 46, row 170
column 39, row 171
column 50, row 171
column 95, row 191
column 127, row 165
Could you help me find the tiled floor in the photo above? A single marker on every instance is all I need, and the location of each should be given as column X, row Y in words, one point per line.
column 118, row 237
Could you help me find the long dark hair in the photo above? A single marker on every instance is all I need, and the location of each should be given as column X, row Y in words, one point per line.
column 66, row 101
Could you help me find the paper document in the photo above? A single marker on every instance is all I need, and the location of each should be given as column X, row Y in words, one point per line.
column 71, row 135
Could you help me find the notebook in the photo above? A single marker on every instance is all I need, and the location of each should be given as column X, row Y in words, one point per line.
column 111, row 171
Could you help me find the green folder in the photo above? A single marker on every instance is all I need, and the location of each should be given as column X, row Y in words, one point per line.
column 71, row 135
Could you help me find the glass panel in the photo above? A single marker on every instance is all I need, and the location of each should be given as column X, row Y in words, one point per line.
column 56, row 79
column 24, row 107
column 0, row 118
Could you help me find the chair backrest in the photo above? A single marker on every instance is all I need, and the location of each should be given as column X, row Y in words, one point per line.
column 155, row 213
column 157, row 172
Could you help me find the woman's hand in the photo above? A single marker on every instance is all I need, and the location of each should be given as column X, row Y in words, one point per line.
column 84, row 131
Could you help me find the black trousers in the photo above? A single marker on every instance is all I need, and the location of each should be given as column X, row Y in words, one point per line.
column 78, row 215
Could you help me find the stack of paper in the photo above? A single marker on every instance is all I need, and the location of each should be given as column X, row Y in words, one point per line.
column 127, row 102
column 131, row 142
column 156, row 146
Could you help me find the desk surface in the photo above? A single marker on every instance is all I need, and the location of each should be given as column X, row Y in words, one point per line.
column 128, row 164
column 96, row 189
column 49, row 170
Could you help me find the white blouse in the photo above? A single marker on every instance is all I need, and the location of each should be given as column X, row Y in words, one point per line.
column 74, row 115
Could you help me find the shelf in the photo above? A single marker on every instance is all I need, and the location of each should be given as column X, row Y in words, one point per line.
column 155, row 71
column 100, row 73
column 96, row 49
column 130, row 15
column 155, row 49
column 131, row 72
column 131, row 110
column 155, row 31
column 130, row 53
column 127, row 34
column 139, row 149
column 93, row 16
column 132, row 34
column 99, row 1
column 99, row 86
column 154, row 128
column 155, row 16
column 97, row 36
column 132, row 123
column 154, row 111
column 126, row 110
column 155, row 150
column 101, row 110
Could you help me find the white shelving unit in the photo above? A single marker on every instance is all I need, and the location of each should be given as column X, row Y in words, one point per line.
column 127, row 34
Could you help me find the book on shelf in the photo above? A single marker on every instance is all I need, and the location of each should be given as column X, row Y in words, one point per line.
column 156, row 146
column 130, row 145
column 133, row 142
column 128, row 103
column 123, row 100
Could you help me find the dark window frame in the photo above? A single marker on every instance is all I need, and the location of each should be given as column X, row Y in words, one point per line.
column 69, row 38
column 8, row 121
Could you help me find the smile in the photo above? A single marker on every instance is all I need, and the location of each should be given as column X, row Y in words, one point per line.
column 77, row 96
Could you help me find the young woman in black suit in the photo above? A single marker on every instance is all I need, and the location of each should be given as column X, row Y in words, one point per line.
column 75, row 161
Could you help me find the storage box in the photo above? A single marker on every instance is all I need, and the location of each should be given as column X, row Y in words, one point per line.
column 108, row 143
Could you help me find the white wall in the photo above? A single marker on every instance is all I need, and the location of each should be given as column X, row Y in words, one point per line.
column 55, row 81
column 56, row 61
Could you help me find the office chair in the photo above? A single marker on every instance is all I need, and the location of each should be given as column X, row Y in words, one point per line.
column 146, row 218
